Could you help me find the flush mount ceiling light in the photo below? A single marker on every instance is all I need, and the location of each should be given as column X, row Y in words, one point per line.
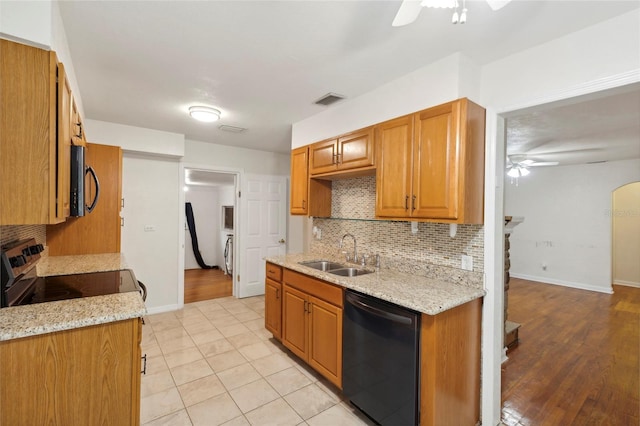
column 203, row 113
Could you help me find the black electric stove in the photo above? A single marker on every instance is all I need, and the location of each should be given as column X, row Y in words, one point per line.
column 21, row 286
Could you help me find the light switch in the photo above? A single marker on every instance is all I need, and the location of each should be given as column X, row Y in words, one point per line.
column 149, row 228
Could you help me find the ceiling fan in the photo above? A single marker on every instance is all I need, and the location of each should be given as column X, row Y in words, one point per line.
column 518, row 165
column 410, row 9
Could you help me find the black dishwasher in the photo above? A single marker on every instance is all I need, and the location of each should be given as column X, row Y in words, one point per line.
column 380, row 361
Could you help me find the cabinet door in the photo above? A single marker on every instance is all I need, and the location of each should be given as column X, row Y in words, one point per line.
column 77, row 128
column 299, row 181
column 273, row 308
column 356, row 150
column 84, row 376
column 393, row 174
column 436, row 158
column 63, row 187
column 325, row 339
column 28, row 146
column 78, row 235
column 294, row 326
column 323, row 157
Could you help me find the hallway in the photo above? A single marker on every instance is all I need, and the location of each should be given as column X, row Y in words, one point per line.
column 205, row 284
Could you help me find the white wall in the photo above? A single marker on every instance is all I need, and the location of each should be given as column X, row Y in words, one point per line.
column 136, row 139
column 567, row 223
column 554, row 69
column 27, row 22
column 229, row 157
column 412, row 92
column 206, row 204
column 150, row 189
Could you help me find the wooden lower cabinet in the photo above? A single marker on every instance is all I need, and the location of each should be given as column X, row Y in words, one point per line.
column 450, row 366
column 312, row 323
column 85, row 376
column 273, row 307
column 273, row 300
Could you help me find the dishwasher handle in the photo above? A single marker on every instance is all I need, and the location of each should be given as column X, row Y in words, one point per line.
column 363, row 304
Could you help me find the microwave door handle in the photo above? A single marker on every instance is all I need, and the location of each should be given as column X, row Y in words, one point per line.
column 95, row 179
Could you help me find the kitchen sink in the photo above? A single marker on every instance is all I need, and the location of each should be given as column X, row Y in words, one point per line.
column 349, row 272
column 323, row 265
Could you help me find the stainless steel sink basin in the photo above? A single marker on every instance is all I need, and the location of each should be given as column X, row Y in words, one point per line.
column 349, row 272
column 322, row 265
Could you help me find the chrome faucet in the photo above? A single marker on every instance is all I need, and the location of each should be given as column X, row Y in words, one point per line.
column 355, row 252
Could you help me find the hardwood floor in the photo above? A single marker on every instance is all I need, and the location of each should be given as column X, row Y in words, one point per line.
column 205, row 284
column 578, row 360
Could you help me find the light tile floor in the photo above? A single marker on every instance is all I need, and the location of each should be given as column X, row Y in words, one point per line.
column 213, row 363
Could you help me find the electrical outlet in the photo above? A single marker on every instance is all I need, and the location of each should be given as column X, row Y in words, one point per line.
column 149, row 228
column 467, row 263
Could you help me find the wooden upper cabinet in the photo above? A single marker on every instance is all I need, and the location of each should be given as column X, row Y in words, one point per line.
column 445, row 182
column 352, row 151
column 310, row 197
column 436, row 168
column 77, row 234
column 393, row 175
column 77, row 128
column 32, row 151
column 299, row 203
column 65, row 99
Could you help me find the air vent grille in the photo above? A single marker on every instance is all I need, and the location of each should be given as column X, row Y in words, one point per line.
column 329, row 99
column 231, row 129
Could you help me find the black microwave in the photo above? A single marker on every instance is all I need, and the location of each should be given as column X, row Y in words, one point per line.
column 79, row 172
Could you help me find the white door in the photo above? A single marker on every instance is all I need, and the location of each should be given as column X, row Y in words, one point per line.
column 263, row 220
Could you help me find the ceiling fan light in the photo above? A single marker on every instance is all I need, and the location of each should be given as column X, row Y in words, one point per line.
column 523, row 171
column 513, row 172
column 205, row 114
column 440, row 4
column 463, row 16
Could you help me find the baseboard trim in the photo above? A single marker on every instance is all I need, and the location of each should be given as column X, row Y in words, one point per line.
column 162, row 309
column 627, row 283
column 563, row 283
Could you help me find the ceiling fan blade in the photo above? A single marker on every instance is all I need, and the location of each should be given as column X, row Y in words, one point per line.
column 408, row 12
column 497, row 4
column 542, row 163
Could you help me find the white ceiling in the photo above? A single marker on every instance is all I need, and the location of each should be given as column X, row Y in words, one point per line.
column 264, row 63
column 593, row 128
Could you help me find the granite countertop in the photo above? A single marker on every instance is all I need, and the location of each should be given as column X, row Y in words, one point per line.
column 42, row 318
column 422, row 294
column 79, row 264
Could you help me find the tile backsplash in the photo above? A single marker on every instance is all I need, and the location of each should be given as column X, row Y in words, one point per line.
column 10, row 233
column 429, row 252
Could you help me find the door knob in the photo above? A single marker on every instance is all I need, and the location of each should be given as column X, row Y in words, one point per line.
column 281, row 241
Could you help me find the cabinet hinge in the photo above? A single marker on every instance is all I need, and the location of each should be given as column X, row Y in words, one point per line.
column 238, row 277
column 239, row 194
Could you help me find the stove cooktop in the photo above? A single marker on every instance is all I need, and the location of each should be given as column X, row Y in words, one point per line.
column 62, row 287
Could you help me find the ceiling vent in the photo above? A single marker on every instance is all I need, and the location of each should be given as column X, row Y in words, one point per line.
column 231, row 129
column 329, row 99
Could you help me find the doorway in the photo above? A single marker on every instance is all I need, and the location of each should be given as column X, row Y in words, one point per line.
column 564, row 240
column 625, row 218
column 213, row 201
